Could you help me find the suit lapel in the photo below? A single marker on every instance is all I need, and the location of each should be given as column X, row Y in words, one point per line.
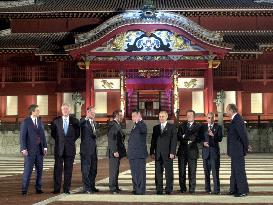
column 61, row 125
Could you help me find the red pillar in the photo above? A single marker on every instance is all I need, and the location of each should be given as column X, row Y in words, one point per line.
column 239, row 101
column 92, row 97
column 208, row 90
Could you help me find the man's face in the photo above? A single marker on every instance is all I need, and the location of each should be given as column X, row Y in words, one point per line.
column 190, row 116
column 163, row 117
column 228, row 111
column 135, row 117
column 91, row 113
column 36, row 112
column 65, row 110
column 210, row 119
column 120, row 116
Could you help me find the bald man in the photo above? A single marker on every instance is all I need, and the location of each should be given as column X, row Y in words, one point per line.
column 163, row 148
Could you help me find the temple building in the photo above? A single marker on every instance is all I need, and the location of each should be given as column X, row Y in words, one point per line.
column 152, row 55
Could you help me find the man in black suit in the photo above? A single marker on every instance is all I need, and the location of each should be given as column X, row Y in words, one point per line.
column 116, row 150
column 188, row 153
column 212, row 135
column 237, row 148
column 137, row 153
column 65, row 131
column 33, row 147
column 88, row 151
column 163, row 149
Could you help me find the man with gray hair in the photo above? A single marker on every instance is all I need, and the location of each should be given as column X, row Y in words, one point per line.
column 65, row 131
column 211, row 135
column 237, row 148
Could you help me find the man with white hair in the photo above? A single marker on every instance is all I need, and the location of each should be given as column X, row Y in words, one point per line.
column 65, row 131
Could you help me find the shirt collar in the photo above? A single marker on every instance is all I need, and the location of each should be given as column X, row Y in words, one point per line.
column 33, row 118
column 65, row 118
column 164, row 124
column 233, row 115
column 210, row 125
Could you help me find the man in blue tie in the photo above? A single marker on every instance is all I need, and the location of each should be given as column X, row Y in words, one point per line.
column 65, row 131
column 33, row 147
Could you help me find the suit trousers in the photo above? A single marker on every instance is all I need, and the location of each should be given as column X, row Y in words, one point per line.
column 238, row 179
column 113, row 173
column 192, row 165
column 89, row 165
column 63, row 163
column 138, row 171
column 161, row 164
column 29, row 161
column 212, row 165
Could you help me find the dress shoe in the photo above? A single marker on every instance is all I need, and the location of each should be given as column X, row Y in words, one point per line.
column 38, row 191
column 192, row 192
column 182, row 191
column 87, row 192
column 240, row 195
column 216, row 193
column 169, row 193
column 159, row 193
column 66, row 192
column 208, row 192
column 55, row 192
column 24, row 193
column 95, row 190
column 231, row 193
column 114, row 192
column 119, row 189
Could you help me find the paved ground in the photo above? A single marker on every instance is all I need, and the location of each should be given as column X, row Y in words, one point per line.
column 259, row 170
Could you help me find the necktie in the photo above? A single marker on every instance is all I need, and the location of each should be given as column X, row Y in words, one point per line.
column 210, row 127
column 35, row 123
column 162, row 128
column 188, row 125
column 93, row 127
column 65, row 126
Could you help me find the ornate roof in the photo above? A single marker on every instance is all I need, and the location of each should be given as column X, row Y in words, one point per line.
column 102, row 8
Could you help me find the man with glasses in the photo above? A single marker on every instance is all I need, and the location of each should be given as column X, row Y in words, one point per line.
column 211, row 136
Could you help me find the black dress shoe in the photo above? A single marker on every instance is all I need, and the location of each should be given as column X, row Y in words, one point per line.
column 119, row 189
column 38, row 191
column 95, row 190
column 216, row 193
column 24, row 193
column 182, row 191
column 55, row 192
column 159, row 193
column 192, row 192
column 240, row 195
column 169, row 193
column 114, row 192
column 66, row 192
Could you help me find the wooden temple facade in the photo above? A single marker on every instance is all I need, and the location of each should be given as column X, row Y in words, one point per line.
column 152, row 55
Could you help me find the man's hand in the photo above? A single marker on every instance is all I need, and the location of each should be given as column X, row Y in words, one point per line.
column 24, row 152
column 116, row 154
column 210, row 133
column 172, row 156
column 206, row 144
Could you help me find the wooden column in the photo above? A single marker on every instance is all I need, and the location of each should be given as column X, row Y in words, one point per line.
column 208, row 90
column 87, row 89
column 92, row 93
column 239, row 101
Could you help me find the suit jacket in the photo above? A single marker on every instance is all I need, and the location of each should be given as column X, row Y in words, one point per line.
column 65, row 144
column 116, row 139
column 88, row 145
column 137, row 148
column 213, row 151
column 237, row 139
column 29, row 135
column 164, row 143
column 188, row 138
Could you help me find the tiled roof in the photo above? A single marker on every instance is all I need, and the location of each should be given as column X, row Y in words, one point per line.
column 39, row 43
column 121, row 5
column 53, row 43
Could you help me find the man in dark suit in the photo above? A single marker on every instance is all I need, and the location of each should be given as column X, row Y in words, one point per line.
column 237, row 148
column 33, row 147
column 88, row 151
column 65, row 131
column 188, row 136
column 163, row 149
column 137, row 153
column 212, row 135
column 116, row 150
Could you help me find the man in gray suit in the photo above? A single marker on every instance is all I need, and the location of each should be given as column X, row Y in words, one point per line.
column 137, row 153
column 88, row 151
column 116, row 150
